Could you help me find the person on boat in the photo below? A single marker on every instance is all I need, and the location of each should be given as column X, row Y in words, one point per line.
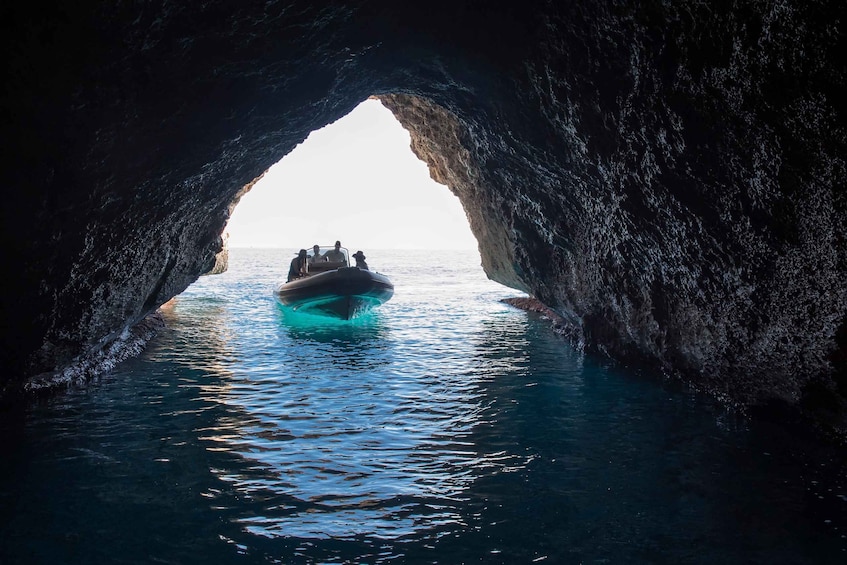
column 316, row 254
column 298, row 266
column 335, row 255
column 360, row 260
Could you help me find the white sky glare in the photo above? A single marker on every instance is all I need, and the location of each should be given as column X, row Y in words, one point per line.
column 355, row 180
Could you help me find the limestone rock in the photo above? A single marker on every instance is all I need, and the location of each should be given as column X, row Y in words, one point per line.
column 221, row 258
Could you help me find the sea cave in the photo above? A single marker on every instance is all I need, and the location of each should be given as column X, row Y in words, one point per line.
column 667, row 177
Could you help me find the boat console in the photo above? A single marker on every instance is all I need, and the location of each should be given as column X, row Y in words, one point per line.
column 323, row 266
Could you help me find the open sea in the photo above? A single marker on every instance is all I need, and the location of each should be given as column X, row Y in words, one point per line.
column 445, row 427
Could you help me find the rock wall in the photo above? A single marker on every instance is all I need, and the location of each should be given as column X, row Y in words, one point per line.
column 667, row 176
column 221, row 257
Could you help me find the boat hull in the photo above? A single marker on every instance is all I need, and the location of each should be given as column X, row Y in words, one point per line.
column 343, row 293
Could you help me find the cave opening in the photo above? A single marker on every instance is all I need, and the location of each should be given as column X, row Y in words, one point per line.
column 355, row 180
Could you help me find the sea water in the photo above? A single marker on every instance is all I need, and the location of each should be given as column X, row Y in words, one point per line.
column 445, row 427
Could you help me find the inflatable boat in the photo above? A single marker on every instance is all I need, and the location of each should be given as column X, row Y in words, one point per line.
column 332, row 288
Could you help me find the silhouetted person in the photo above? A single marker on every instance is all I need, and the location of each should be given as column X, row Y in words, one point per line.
column 316, row 254
column 335, row 255
column 298, row 266
column 360, row 260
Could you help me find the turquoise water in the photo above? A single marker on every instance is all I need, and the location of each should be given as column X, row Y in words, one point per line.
column 446, row 427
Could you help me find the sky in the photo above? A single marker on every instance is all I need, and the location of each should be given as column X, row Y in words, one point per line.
column 357, row 181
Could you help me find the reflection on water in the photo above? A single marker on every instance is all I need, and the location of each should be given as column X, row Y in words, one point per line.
column 365, row 332
column 444, row 427
column 360, row 432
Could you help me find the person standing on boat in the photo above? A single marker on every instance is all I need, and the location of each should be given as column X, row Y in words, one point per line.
column 360, row 260
column 298, row 266
column 316, row 254
column 335, row 255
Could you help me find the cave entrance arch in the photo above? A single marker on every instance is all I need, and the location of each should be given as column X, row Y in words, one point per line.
column 356, row 180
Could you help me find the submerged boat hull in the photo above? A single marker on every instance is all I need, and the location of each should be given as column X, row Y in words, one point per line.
column 343, row 293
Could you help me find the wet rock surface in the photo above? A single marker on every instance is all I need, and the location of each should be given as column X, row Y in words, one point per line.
column 667, row 177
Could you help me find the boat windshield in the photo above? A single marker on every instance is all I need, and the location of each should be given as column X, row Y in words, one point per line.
column 327, row 258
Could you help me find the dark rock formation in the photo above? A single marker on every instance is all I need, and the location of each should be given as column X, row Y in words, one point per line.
column 669, row 177
column 221, row 258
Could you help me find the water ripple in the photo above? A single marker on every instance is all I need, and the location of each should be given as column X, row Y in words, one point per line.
column 446, row 427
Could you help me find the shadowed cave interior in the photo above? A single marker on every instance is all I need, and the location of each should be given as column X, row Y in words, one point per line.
column 668, row 178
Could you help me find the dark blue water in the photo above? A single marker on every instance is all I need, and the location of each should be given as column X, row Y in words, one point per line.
column 445, row 428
